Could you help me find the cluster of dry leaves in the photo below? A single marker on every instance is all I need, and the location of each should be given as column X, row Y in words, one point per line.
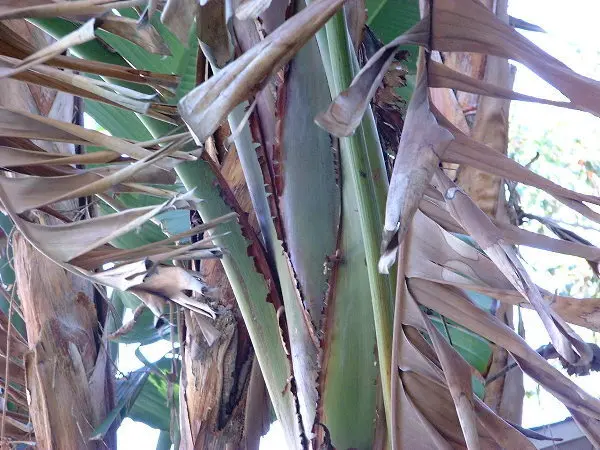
column 434, row 404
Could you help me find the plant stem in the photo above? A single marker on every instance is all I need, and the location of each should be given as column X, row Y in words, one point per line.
column 361, row 176
column 251, row 291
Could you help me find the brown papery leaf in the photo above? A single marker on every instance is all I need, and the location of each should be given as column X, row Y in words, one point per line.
column 345, row 113
column 513, row 234
column 468, row 26
column 453, row 304
column 102, row 256
column 458, row 378
column 439, row 255
column 24, row 193
column 589, row 425
column 489, row 238
column 178, row 16
column 216, row 30
column 208, row 105
column 422, row 144
column 81, row 35
column 82, row 86
column 356, row 19
column 13, row 45
column 445, row 386
column 16, row 157
column 441, row 76
column 464, row 150
column 251, row 9
column 144, row 36
column 459, row 26
column 49, row 8
column 57, row 243
column 15, row 123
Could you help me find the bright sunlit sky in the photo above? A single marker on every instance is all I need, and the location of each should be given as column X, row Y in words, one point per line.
column 573, row 37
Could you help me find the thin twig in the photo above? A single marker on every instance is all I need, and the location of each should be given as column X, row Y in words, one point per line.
column 165, row 139
column 500, row 373
column 126, row 328
column 446, row 329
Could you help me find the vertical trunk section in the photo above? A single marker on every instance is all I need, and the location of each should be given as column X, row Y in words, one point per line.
column 216, row 394
column 67, row 367
column 64, row 370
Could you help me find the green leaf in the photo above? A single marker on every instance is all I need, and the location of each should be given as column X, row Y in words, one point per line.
column 93, row 50
column 476, row 350
column 164, row 441
column 358, row 170
column 128, row 390
column 188, row 66
column 173, row 222
column 478, row 387
column 483, row 301
column 146, row 234
column 127, row 298
column 7, row 276
column 114, row 321
column 144, row 331
column 118, row 122
column 389, row 19
column 152, row 404
column 312, row 190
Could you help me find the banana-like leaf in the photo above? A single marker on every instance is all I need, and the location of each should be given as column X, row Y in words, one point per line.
column 152, row 404
column 128, row 391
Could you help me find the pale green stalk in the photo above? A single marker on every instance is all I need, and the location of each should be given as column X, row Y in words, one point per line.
column 361, row 175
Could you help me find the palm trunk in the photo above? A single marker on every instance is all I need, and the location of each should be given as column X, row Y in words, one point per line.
column 67, row 369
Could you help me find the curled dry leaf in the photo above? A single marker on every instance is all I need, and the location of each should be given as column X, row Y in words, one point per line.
column 464, row 150
column 423, row 143
column 489, row 35
column 16, row 123
column 568, row 244
column 83, row 86
column 458, row 378
column 441, row 76
column 151, row 281
column 144, row 36
column 208, row 105
column 14, row 46
column 453, row 304
column 83, row 34
column 569, row 345
column 24, row 193
column 436, row 399
column 356, row 18
column 345, row 113
column 16, row 157
column 50, row 8
column 178, row 16
column 216, row 31
column 251, row 9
